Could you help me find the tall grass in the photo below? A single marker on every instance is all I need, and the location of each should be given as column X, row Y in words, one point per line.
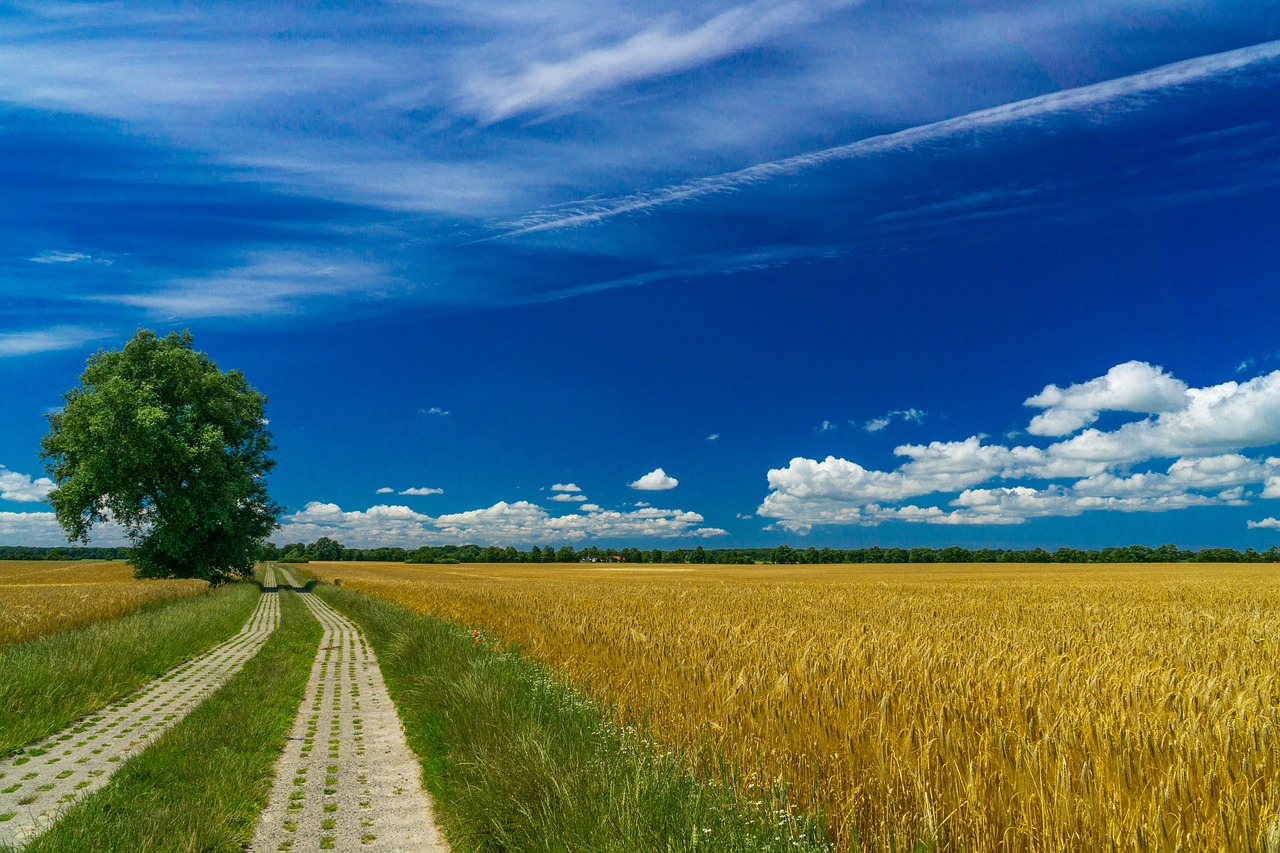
column 49, row 682
column 992, row 708
column 201, row 786
column 516, row 761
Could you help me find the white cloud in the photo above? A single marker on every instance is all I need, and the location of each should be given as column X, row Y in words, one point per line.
column 642, row 504
column 47, row 340
column 502, row 523
column 422, row 491
column 913, row 416
column 57, row 257
column 826, row 426
column 41, row 529
column 589, row 508
column 708, row 532
column 1134, row 386
column 275, row 282
column 30, row 528
column 434, row 410
column 715, row 436
column 385, row 490
column 565, row 487
column 655, row 481
column 660, row 50
column 1085, row 99
column 1244, row 365
column 1265, row 524
column 1203, row 431
column 23, row 488
column 565, row 497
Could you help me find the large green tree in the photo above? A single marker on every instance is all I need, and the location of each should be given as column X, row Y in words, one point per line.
column 157, row 439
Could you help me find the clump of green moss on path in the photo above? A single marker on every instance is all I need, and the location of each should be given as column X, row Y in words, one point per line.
column 201, row 786
column 50, row 682
column 517, row 761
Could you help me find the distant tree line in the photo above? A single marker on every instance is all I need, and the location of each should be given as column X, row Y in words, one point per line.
column 327, row 549
column 65, row 552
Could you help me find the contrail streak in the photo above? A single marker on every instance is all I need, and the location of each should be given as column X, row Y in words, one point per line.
column 1160, row 79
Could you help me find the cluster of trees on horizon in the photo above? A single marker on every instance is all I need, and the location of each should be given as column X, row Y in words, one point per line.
column 330, row 550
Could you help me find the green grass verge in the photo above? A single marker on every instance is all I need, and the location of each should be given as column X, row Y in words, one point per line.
column 50, row 682
column 516, row 760
column 201, row 786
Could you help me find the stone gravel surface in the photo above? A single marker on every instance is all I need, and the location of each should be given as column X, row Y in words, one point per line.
column 346, row 779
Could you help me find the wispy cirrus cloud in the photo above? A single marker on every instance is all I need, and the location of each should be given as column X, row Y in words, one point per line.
column 1115, row 95
column 54, row 256
column 52, row 339
column 267, row 283
column 657, row 50
column 911, row 416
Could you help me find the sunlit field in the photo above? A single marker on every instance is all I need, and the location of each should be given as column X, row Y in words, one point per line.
column 39, row 597
column 983, row 708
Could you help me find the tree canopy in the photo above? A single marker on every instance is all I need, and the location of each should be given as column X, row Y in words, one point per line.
column 158, row 440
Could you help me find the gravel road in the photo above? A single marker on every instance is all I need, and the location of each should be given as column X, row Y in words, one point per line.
column 347, row 779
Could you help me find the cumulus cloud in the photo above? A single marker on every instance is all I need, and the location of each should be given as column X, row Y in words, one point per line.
column 30, row 528
column 385, row 490
column 1202, row 431
column 41, row 529
column 715, row 436
column 566, row 497
column 826, row 426
column 589, row 508
column 1134, row 386
column 23, row 488
column 422, row 491
column 434, row 410
column 1265, row 524
column 913, row 416
column 565, row 487
column 503, row 523
column 655, row 481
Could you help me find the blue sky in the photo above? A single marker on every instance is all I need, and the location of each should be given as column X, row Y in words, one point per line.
column 820, row 272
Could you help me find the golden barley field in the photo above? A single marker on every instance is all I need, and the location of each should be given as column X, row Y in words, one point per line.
column 979, row 707
column 41, row 597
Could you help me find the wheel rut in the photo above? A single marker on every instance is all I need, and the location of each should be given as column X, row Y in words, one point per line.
column 346, row 779
column 51, row 775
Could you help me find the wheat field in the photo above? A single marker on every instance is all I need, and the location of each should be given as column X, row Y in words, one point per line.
column 975, row 708
column 41, row 597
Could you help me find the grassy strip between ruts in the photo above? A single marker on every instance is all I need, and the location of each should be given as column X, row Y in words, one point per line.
column 201, row 786
column 50, row 682
column 516, row 760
